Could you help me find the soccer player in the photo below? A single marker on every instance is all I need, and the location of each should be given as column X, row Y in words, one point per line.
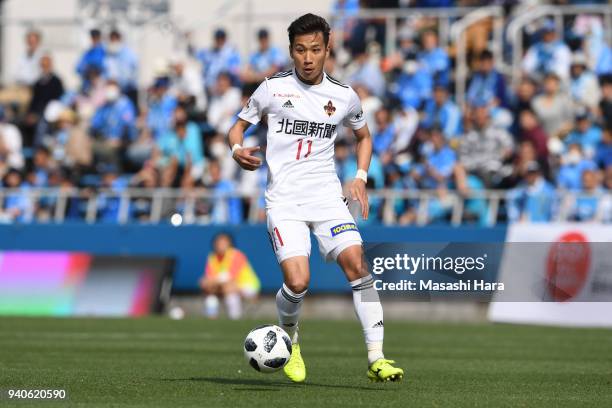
column 304, row 108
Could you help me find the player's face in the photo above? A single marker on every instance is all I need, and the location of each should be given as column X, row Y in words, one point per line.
column 309, row 53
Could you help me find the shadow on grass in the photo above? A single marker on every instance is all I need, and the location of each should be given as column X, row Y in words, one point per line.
column 268, row 383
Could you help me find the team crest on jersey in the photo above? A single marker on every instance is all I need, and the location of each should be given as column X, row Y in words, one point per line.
column 340, row 228
column 329, row 108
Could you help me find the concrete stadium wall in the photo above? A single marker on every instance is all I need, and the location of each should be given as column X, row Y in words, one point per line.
column 190, row 245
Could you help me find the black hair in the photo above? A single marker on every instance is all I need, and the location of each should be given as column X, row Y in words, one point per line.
column 227, row 234
column 306, row 24
column 605, row 79
column 486, row 55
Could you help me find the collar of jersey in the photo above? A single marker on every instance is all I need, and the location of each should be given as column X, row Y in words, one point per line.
column 299, row 81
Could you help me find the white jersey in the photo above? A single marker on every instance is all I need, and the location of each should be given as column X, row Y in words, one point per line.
column 303, row 121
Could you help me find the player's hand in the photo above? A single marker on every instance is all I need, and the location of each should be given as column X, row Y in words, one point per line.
column 358, row 192
column 244, row 157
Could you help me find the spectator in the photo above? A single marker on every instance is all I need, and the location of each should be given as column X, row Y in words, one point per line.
column 608, row 181
column 550, row 55
column 407, row 48
column 113, row 124
column 569, row 176
column 121, row 65
column 17, row 204
column 366, row 70
column 181, row 147
column 531, row 130
column 484, row 150
column 228, row 274
column 585, row 133
column 225, row 210
column 487, row 84
column 523, row 97
column 406, row 121
column 11, row 154
column 224, row 104
column 93, row 58
column 48, row 87
column 148, row 177
column 222, row 57
column 605, row 105
column 526, row 153
column 186, row 84
column 109, row 203
column 69, row 141
column 28, row 67
column 434, row 59
column 442, row 112
column 533, row 199
column 161, row 106
column 264, row 62
column 413, row 85
column 603, row 152
column 438, row 167
column 385, row 134
column 604, row 61
column 346, row 12
column 42, row 165
column 89, row 100
column 584, row 206
column 553, row 107
column 584, row 87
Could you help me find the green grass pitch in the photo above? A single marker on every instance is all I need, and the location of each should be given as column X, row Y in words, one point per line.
column 156, row 362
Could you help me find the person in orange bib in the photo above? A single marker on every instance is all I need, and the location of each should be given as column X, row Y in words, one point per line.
column 228, row 275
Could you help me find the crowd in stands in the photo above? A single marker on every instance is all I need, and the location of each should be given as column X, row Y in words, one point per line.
column 535, row 136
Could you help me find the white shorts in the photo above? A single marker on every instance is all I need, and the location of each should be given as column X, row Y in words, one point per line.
column 331, row 222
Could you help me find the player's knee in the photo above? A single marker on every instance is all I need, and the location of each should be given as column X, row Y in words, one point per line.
column 297, row 285
column 356, row 267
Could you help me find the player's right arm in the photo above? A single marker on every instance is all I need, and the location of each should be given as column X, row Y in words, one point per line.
column 243, row 155
column 251, row 114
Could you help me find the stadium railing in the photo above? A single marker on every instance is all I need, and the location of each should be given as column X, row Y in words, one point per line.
column 483, row 207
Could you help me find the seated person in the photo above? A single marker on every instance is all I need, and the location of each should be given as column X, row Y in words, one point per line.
column 229, row 275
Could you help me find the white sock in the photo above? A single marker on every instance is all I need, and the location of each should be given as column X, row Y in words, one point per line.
column 234, row 305
column 370, row 314
column 288, row 305
column 211, row 306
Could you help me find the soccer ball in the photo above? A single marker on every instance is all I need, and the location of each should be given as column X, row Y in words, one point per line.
column 267, row 348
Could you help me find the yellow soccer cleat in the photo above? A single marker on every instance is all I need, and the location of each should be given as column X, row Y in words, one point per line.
column 295, row 368
column 381, row 370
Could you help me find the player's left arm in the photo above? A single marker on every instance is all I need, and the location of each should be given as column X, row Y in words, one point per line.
column 357, row 188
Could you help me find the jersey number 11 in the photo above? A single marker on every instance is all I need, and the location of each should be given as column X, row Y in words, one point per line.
column 299, row 149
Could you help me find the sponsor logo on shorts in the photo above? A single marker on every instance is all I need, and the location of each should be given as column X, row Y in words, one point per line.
column 339, row 229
